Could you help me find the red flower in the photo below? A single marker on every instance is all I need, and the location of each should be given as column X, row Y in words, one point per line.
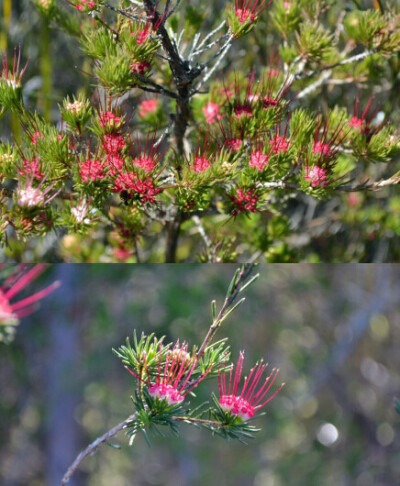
column 84, row 5
column 132, row 186
column 243, row 106
column 279, row 144
column 245, row 201
column 251, row 398
column 249, row 9
column 31, row 167
column 316, row 175
column 92, row 170
column 148, row 156
column 204, row 156
column 325, row 145
column 140, row 67
column 112, row 143
column 258, row 160
column 211, row 112
column 173, row 377
column 363, row 122
column 148, row 106
column 13, row 79
column 15, row 283
column 35, row 137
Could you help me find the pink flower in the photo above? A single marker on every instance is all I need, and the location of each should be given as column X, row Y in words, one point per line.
column 147, row 155
column 211, row 112
column 85, row 5
column 268, row 101
column 204, row 156
column 200, row 164
column 146, row 163
column 115, row 164
column 233, row 144
column 258, row 160
column 122, row 254
column 133, row 186
column 249, row 9
column 80, row 212
column 279, row 144
column 363, row 122
column 148, row 106
column 113, row 143
column 31, row 167
column 288, row 6
column 250, row 399
column 35, row 137
column 151, row 25
column 172, row 378
column 92, row 170
column 245, row 201
column 327, row 145
column 322, row 148
column 142, row 35
column 243, row 110
column 109, row 119
column 13, row 79
column 316, row 175
column 32, row 197
column 357, row 122
column 140, row 67
column 15, row 283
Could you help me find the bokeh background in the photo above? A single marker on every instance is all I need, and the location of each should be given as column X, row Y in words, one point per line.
column 361, row 227
column 334, row 331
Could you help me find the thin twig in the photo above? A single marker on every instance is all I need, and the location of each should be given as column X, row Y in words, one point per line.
column 349, row 60
column 243, row 276
column 92, row 448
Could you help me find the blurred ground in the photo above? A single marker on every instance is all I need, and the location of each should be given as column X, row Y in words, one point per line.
column 334, row 331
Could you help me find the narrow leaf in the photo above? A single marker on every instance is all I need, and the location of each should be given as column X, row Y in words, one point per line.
column 249, row 282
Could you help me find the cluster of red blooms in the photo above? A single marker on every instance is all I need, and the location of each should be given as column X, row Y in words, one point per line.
column 140, row 67
column 85, row 5
column 92, row 169
column 111, row 163
column 31, row 168
column 148, row 106
column 171, row 382
column 130, row 185
column 245, row 201
column 204, row 155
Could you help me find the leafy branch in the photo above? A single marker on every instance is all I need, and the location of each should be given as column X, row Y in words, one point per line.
column 148, row 354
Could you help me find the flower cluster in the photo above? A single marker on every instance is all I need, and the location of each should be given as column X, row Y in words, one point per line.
column 171, row 382
column 245, row 201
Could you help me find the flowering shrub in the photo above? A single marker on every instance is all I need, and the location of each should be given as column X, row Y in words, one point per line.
column 169, row 159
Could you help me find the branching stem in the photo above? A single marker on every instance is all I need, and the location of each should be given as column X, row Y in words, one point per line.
column 241, row 279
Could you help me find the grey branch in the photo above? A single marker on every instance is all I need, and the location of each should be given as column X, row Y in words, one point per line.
column 349, row 60
column 92, row 448
column 368, row 186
